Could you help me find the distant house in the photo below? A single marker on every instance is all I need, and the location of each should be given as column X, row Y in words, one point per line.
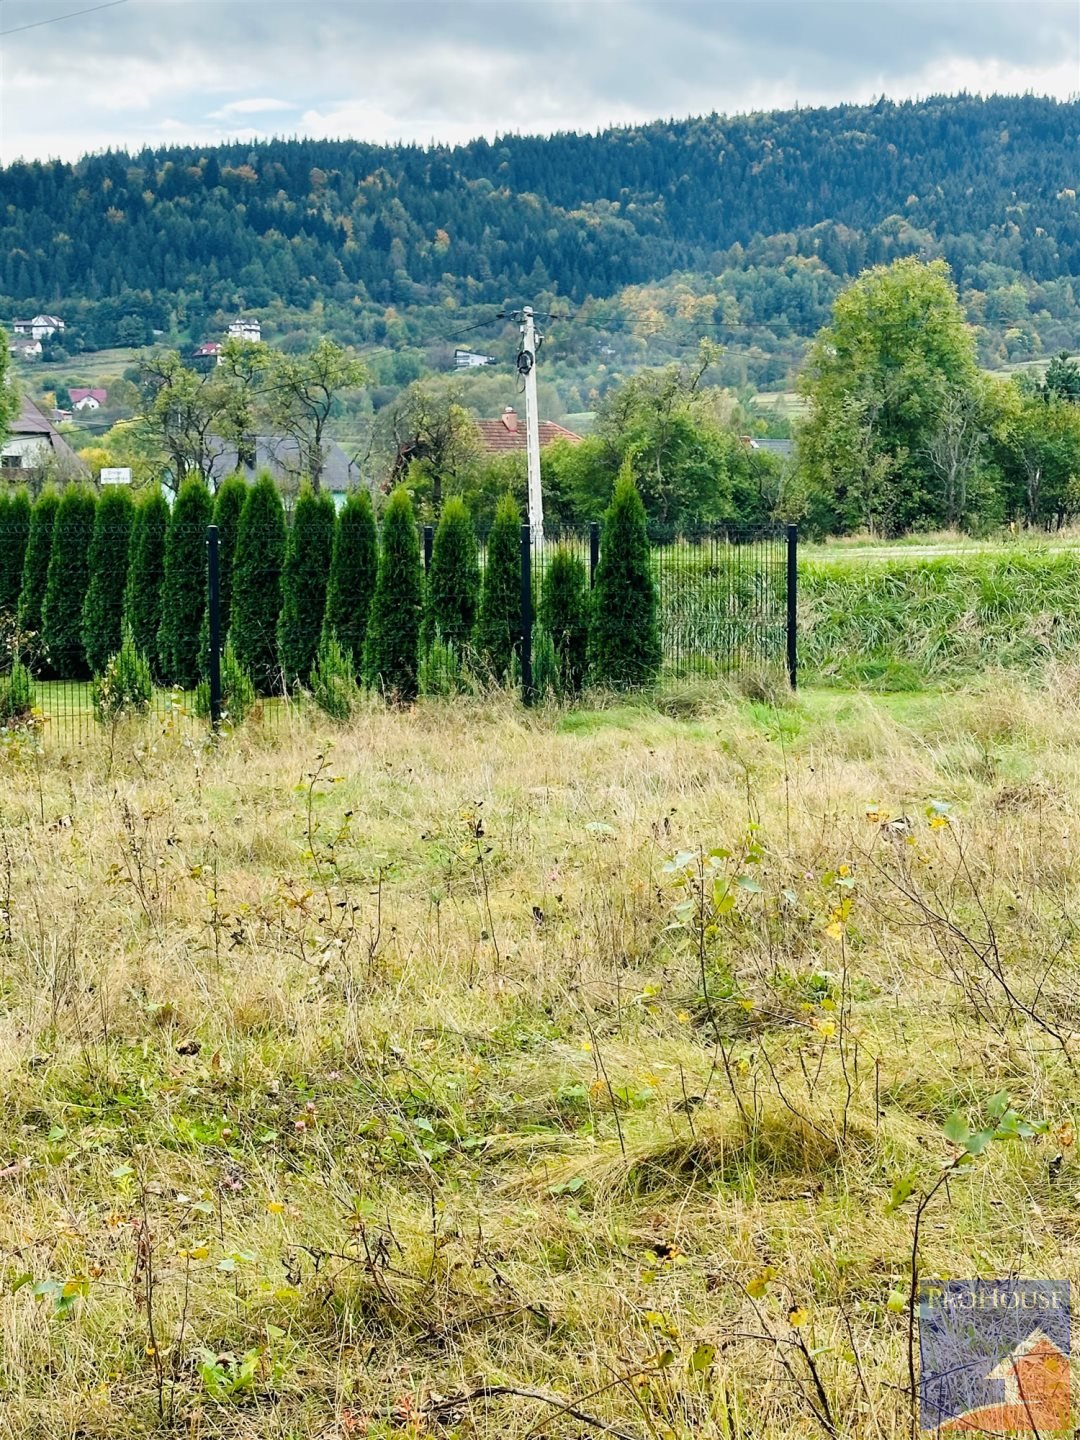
column 41, row 327
column 246, row 330
column 24, row 349
column 281, row 456
column 507, row 434
column 34, row 444
column 769, row 446
column 205, row 356
column 471, row 360
column 88, row 399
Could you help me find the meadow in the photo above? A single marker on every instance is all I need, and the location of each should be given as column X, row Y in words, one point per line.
column 476, row 1072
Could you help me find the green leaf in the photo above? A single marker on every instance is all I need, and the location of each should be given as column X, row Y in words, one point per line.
column 900, row 1191
column 956, row 1129
column 748, row 883
column 702, row 1357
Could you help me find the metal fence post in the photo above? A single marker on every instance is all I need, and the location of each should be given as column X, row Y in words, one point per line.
column 528, row 694
column 594, row 551
column 429, row 545
column 792, row 604
column 213, row 595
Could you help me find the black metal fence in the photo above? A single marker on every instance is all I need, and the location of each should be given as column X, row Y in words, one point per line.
column 725, row 602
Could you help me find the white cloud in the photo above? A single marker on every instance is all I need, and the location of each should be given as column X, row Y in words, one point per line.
column 384, row 70
column 252, row 107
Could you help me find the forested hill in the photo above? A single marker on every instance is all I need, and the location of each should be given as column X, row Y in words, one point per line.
column 990, row 184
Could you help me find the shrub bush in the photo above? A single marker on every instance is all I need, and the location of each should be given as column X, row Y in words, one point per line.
column 125, row 687
column 498, row 627
column 545, row 664
column 237, row 691
column 308, row 553
column 146, row 574
column 333, row 680
column 453, row 582
column 353, row 571
column 14, row 538
column 35, row 578
column 183, row 586
column 391, row 648
column 65, row 590
column 624, row 637
column 103, row 608
column 256, row 585
column 564, row 616
column 17, row 694
column 228, row 507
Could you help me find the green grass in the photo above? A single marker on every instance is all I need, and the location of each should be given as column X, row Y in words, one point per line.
column 366, row 1079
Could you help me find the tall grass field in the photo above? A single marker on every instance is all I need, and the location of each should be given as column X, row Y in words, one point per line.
column 470, row 1072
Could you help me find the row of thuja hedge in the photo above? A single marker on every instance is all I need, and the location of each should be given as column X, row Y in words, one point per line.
column 89, row 586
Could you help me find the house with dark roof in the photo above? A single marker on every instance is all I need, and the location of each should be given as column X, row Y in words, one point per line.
column 34, row 446
column 282, row 457
column 506, row 435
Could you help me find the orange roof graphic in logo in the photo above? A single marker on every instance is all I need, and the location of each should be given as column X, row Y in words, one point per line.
column 1036, row 1376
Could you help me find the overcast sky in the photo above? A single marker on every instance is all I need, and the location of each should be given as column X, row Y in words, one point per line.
column 154, row 71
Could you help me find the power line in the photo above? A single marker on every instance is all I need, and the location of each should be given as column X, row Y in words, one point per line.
column 56, row 19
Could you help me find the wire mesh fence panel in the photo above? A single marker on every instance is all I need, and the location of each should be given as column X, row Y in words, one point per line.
column 722, row 602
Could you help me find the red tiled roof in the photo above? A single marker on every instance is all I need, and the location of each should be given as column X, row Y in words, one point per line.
column 101, row 396
column 507, row 433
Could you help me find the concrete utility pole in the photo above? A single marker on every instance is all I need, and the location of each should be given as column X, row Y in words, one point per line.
column 530, row 343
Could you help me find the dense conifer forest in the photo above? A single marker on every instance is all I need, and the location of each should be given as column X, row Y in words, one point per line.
column 741, row 228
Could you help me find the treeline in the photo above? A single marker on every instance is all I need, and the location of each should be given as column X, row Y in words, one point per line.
column 905, row 432
column 115, row 590
column 781, row 207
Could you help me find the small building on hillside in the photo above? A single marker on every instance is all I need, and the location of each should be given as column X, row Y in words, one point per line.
column 472, row 360
column 507, row 434
column 281, row 456
column 35, row 447
column 246, row 329
column 41, row 327
column 205, row 356
column 88, row 399
column 768, row 445
column 25, row 349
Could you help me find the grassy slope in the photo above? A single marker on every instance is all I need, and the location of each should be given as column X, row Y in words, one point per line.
column 371, row 1063
column 903, row 621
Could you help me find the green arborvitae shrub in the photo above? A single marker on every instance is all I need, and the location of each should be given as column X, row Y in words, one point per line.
column 183, row 585
column 498, row 627
column 256, row 585
column 545, row 664
column 124, row 688
column 303, row 583
column 453, row 582
column 17, row 695
column 68, row 578
column 624, row 637
column 333, row 680
column 353, row 570
column 35, row 580
column 228, row 507
column 146, row 574
column 564, row 615
column 237, row 691
column 391, row 649
column 14, row 538
column 103, row 608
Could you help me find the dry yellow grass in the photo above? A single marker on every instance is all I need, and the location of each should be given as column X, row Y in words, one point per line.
column 399, row 1080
